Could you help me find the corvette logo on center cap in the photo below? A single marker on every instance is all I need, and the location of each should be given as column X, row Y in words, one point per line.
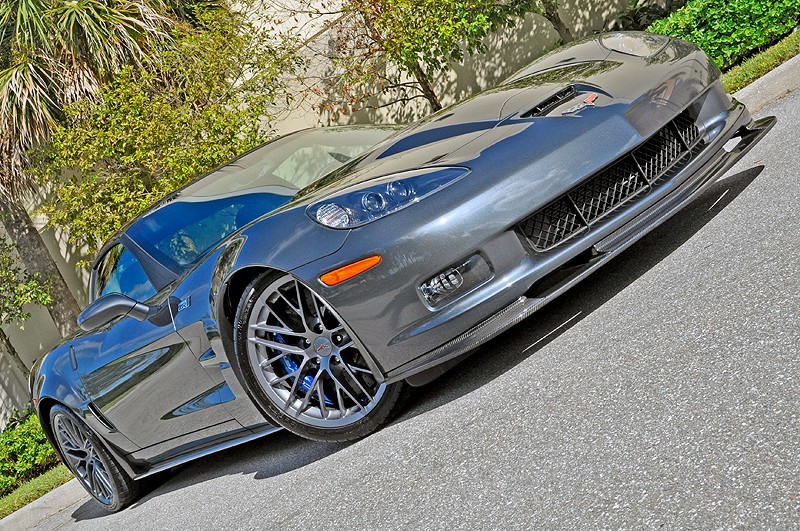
column 587, row 102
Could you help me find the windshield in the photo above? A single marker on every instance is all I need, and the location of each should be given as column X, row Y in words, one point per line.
column 188, row 224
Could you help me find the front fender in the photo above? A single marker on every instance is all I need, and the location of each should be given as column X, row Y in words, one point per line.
column 282, row 242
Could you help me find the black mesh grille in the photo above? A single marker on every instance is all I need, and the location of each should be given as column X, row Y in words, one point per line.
column 551, row 225
column 660, row 157
column 686, row 128
column 659, row 153
column 609, row 189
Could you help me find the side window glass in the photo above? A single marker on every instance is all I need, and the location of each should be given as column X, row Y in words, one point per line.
column 120, row 272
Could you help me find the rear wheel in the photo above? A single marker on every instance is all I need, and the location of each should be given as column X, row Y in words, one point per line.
column 304, row 366
column 87, row 458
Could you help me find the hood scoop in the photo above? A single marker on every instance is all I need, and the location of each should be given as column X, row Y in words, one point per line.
column 552, row 102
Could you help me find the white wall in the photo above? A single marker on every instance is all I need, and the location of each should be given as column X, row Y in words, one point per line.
column 507, row 51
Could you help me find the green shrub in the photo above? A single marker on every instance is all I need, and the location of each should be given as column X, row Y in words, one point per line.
column 753, row 68
column 729, row 30
column 24, row 453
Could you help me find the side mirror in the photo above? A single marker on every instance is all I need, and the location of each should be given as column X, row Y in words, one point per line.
column 109, row 307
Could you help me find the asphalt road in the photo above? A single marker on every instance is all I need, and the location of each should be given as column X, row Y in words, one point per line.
column 664, row 391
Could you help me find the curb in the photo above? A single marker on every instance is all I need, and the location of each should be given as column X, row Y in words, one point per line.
column 38, row 511
column 772, row 86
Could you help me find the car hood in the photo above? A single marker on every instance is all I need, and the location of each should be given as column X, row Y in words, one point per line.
column 582, row 99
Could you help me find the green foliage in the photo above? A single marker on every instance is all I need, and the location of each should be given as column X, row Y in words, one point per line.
column 18, row 287
column 193, row 106
column 740, row 76
column 380, row 43
column 24, row 453
column 52, row 52
column 729, row 30
column 641, row 13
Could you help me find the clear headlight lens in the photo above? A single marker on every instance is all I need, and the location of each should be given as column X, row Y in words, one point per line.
column 636, row 43
column 375, row 199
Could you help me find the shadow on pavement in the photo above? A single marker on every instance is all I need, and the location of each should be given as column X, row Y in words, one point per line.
column 283, row 452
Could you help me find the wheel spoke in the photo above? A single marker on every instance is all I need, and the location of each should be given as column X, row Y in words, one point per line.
column 348, row 393
column 101, row 479
column 283, row 378
column 293, row 391
column 295, row 309
column 269, row 361
column 319, row 310
column 356, row 368
column 309, row 393
column 323, row 409
column 339, row 399
column 311, row 311
column 277, row 317
column 264, row 327
column 353, row 377
column 91, row 478
column 277, row 346
column 73, row 437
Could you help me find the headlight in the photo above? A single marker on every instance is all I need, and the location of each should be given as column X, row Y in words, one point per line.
column 375, row 199
column 635, row 43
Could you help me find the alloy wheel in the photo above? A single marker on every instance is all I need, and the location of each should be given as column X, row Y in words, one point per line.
column 83, row 458
column 306, row 359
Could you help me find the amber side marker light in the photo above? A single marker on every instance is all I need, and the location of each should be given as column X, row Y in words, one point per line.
column 337, row 276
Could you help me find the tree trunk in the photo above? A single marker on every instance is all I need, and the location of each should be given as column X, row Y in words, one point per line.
column 6, row 345
column 37, row 259
column 427, row 88
column 551, row 14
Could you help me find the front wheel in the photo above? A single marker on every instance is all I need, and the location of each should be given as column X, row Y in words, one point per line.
column 304, row 366
column 86, row 457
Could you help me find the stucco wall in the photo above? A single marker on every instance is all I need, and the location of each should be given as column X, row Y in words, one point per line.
column 508, row 51
column 39, row 333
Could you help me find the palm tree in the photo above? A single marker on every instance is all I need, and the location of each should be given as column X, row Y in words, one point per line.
column 53, row 52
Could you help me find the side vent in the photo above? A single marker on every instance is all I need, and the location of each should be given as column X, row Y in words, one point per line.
column 553, row 101
column 101, row 418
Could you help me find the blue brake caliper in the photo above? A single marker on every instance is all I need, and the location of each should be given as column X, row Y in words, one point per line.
column 291, row 364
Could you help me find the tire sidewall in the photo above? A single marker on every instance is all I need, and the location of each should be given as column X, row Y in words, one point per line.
column 370, row 423
column 123, row 492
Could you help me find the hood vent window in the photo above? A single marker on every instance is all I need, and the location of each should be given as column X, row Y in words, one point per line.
column 551, row 102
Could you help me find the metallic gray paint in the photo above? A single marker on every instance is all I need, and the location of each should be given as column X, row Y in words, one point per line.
column 518, row 165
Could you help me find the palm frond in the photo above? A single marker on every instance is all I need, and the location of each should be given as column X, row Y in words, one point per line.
column 54, row 52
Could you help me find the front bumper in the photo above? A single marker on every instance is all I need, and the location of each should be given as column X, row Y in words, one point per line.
column 606, row 249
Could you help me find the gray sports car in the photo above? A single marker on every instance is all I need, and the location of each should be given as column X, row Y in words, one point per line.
column 307, row 283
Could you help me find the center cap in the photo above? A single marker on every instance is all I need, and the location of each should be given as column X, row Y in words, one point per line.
column 322, row 346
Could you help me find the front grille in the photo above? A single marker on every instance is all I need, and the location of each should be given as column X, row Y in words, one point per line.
column 635, row 174
column 555, row 222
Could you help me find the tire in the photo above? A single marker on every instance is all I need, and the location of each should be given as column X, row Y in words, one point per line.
column 304, row 367
column 84, row 454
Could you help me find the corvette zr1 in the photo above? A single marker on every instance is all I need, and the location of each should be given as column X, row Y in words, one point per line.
column 307, row 283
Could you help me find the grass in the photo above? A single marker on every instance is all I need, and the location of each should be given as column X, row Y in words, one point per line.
column 753, row 68
column 34, row 489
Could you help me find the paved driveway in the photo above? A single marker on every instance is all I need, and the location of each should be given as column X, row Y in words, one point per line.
column 663, row 391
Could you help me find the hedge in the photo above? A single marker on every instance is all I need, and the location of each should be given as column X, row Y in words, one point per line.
column 729, row 30
column 24, row 453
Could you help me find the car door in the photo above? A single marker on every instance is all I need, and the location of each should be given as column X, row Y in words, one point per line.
column 141, row 375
